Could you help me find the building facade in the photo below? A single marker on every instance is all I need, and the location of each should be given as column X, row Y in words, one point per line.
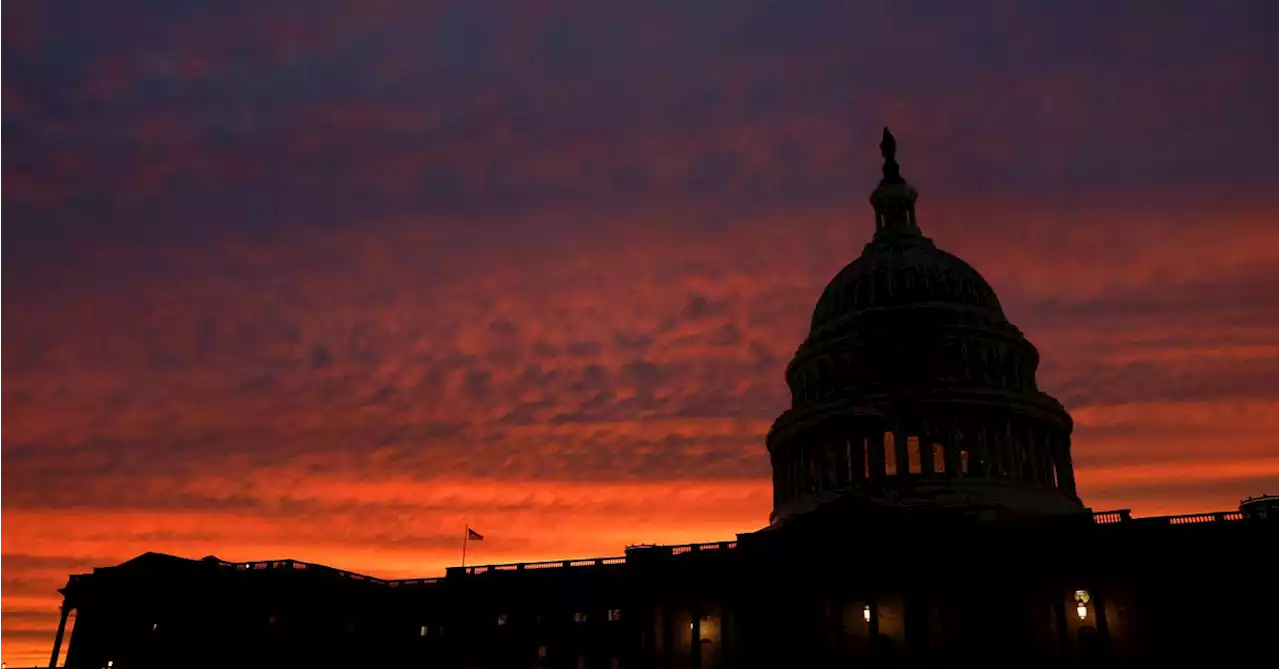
column 925, row 514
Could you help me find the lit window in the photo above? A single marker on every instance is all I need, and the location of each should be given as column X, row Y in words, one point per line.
column 866, row 613
column 615, row 615
column 890, row 456
column 422, row 631
column 913, row 454
column 502, row 619
column 154, row 626
column 964, row 462
column 939, row 459
column 579, row 617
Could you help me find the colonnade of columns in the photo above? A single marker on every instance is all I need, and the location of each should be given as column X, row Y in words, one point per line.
column 1019, row 450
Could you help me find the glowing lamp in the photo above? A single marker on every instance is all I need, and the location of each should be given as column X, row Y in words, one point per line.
column 866, row 613
column 1082, row 603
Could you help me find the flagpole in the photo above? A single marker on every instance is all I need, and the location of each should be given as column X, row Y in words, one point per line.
column 466, row 534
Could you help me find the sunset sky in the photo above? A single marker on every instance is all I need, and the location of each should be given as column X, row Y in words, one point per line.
column 331, row 280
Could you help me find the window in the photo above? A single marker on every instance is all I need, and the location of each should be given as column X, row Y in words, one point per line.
column 890, row 456
column 964, row 462
column 939, row 459
column 542, row 652
column 615, row 615
column 154, row 626
column 502, row 619
column 913, row 454
column 422, row 631
column 579, row 617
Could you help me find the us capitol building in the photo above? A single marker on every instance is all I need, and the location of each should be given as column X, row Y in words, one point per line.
column 924, row 514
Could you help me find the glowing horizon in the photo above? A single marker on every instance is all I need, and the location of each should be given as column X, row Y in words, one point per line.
column 328, row 283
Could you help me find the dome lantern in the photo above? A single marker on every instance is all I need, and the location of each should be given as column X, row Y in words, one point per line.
column 894, row 199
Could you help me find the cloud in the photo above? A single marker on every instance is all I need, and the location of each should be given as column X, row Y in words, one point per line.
column 286, row 281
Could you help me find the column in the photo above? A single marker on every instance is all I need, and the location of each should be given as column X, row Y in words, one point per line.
column 859, row 457
column 728, row 636
column 779, row 478
column 926, row 449
column 971, row 441
column 57, row 638
column 950, row 450
column 1100, row 613
column 901, row 459
column 991, row 451
column 1042, row 456
column 669, row 636
column 1066, row 473
column 841, row 460
column 784, row 475
column 1046, row 456
column 1029, row 451
column 1010, row 451
column 695, row 642
column 1065, row 642
column 875, row 452
column 852, row 456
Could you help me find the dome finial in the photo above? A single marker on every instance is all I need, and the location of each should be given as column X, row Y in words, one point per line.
column 889, row 150
column 894, row 199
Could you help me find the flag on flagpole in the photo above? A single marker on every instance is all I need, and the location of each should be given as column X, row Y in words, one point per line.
column 474, row 535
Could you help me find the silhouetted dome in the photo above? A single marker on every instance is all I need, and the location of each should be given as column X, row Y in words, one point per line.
column 900, row 272
column 914, row 389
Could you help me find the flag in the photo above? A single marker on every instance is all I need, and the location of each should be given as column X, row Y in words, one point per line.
column 474, row 535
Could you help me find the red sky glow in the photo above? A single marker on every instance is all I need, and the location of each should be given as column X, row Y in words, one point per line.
column 330, row 285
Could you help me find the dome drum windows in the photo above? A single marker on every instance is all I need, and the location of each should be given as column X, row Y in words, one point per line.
column 1017, row 451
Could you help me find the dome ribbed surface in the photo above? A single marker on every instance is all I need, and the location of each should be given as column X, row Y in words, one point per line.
column 895, row 273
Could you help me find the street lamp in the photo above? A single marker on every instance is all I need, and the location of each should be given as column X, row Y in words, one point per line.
column 1082, row 603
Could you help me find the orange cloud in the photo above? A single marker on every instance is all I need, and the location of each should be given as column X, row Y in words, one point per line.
column 285, row 283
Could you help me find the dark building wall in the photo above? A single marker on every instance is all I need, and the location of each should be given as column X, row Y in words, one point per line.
column 938, row 593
